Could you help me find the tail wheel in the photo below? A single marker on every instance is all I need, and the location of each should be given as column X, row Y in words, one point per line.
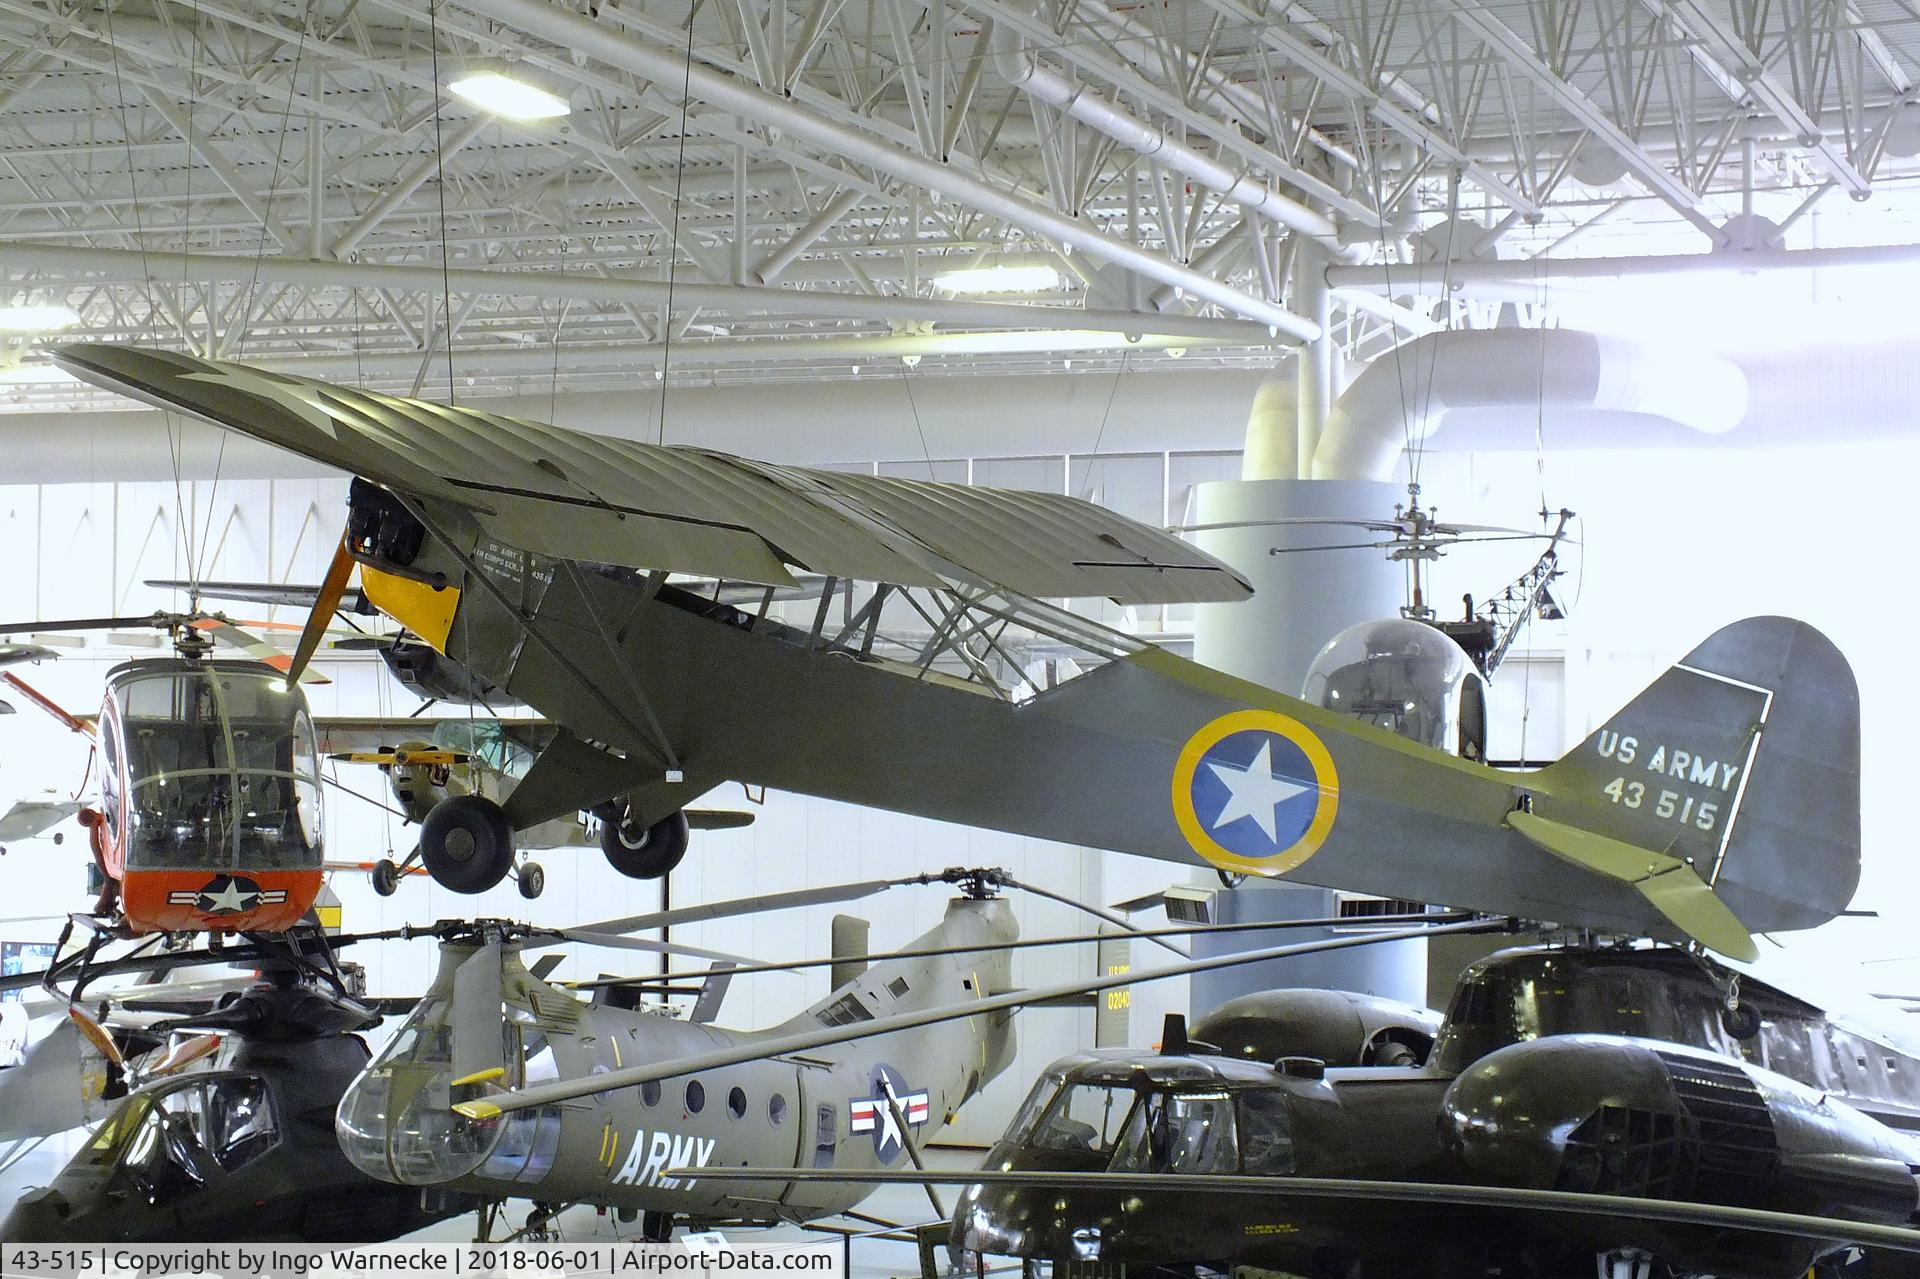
column 386, row 877
column 533, row 880
column 467, row 843
column 646, row 853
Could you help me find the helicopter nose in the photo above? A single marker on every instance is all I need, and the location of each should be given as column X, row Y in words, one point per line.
column 40, row 1216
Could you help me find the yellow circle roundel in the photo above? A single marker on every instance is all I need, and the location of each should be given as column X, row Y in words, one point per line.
column 1255, row 791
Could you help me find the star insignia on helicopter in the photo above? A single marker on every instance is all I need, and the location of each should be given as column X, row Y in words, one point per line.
column 227, row 895
column 881, row 1113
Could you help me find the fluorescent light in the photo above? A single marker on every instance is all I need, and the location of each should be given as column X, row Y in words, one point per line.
column 37, row 319
column 999, row 279
column 505, row 96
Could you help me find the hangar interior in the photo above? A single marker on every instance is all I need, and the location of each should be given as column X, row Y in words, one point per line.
column 1649, row 261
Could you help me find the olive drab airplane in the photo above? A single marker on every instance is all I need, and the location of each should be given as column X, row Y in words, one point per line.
column 930, row 674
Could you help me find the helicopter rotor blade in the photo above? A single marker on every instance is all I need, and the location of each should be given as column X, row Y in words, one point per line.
column 1024, row 943
column 180, row 1056
column 778, row 1046
column 616, row 941
column 824, row 895
column 1678, row 1211
column 1104, row 916
column 332, row 588
column 262, row 649
column 479, row 995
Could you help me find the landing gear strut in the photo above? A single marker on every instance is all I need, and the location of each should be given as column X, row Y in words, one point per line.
column 467, row 843
column 644, row 853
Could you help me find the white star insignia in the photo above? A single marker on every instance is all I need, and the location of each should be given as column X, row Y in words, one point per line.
column 232, row 897
column 301, row 401
column 889, row 1125
column 1255, row 792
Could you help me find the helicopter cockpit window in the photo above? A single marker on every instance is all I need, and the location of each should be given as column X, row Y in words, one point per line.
column 190, row 1135
column 1029, row 1112
column 1266, row 1133
column 1180, row 1132
column 222, row 769
column 1087, row 1117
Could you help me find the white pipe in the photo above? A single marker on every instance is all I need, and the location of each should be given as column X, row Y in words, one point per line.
column 1436, row 278
column 101, row 265
column 570, row 30
column 1021, row 69
column 770, row 267
column 1403, row 396
column 1272, row 449
column 706, row 352
column 408, row 183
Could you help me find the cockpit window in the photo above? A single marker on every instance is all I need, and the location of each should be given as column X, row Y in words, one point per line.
column 1087, row 1117
column 1266, row 1133
column 219, row 761
column 1029, row 1112
column 1180, row 1132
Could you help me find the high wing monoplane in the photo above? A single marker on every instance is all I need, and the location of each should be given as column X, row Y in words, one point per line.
column 929, row 674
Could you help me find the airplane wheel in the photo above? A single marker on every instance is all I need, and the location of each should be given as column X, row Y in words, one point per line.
column 656, row 1227
column 386, row 877
column 533, row 880
column 467, row 843
column 646, row 854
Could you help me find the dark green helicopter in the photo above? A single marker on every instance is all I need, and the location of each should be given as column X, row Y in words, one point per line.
column 1645, row 1074
column 240, row 1151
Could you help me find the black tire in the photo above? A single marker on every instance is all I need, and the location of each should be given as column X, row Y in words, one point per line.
column 533, row 880
column 467, row 843
column 1742, row 1021
column 650, row 853
column 386, row 877
column 656, row 1227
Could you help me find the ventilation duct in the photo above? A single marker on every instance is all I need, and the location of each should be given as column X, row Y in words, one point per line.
column 1402, row 397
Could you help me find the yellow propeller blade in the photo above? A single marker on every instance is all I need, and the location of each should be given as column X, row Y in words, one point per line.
column 332, row 588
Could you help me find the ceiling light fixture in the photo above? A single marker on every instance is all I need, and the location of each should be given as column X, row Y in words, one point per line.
column 511, row 99
column 999, row 279
column 37, row 319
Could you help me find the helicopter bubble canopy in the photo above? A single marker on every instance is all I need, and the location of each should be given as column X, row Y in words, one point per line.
column 396, row 1122
column 1405, row 677
column 209, row 796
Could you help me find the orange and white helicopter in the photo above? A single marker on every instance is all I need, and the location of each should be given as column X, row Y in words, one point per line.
column 209, row 815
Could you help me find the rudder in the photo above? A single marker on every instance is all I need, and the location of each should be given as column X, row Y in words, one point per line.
column 1742, row 759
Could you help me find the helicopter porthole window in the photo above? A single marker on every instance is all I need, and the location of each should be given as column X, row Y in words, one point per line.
column 696, row 1097
column 776, row 1110
column 650, row 1093
column 737, row 1103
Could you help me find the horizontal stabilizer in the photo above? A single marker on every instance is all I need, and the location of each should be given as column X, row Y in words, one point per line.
column 1671, row 885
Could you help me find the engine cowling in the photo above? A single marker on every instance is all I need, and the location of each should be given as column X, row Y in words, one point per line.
column 1612, row 1115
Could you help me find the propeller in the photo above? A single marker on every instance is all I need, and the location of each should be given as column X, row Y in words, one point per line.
column 332, row 588
column 804, row 1041
column 183, row 1054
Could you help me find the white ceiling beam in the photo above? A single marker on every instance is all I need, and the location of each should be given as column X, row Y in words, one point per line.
column 1402, row 116
column 93, row 265
column 406, row 185
column 209, row 155
column 1698, row 22
column 1523, row 58
column 570, row 30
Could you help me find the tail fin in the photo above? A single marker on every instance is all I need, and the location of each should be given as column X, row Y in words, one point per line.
column 1741, row 761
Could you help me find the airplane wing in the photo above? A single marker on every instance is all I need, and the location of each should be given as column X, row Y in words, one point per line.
column 29, row 817
column 572, row 495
